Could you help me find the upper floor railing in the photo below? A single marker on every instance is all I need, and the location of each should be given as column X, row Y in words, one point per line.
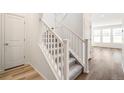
column 77, row 46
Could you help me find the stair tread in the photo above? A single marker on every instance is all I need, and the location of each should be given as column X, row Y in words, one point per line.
column 74, row 71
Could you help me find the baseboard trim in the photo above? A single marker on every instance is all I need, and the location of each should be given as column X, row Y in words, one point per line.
column 14, row 67
column 39, row 72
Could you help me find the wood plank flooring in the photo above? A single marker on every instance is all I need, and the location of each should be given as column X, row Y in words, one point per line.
column 105, row 65
column 25, row 72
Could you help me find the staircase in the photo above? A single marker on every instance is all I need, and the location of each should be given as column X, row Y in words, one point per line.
column 66, row 59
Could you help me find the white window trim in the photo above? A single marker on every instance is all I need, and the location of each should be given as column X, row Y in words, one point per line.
column 105, row 27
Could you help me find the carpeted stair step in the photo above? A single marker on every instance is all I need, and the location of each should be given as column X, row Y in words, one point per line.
column 74, row 71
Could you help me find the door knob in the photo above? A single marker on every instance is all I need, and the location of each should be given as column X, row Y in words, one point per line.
column 6, row 44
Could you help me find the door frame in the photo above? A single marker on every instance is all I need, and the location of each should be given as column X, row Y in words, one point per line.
column 123, row 45
column 3, row 37
column 1, row 41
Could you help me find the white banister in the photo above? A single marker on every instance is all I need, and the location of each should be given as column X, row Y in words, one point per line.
column 56, row 51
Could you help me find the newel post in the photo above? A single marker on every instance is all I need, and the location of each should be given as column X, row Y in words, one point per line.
column 86, row 68
column 66, row 60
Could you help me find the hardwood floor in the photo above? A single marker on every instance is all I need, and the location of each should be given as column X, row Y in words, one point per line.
column 25, row 72
column 105, row 65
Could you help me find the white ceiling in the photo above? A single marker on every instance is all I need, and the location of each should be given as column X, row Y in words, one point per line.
column 107, row 18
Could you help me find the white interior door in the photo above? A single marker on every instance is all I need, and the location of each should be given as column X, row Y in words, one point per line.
column 14, row 40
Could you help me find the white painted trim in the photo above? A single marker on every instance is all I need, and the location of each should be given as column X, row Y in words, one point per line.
column 107, row 26
column 24, row 39
column 16, row 14
column 108, row 45
column 1, row 42
column 111, row 44
column 38, row 72
column 3, row 28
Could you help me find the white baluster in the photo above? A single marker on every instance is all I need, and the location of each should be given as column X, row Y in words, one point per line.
column 57, row 56
column 66, row 60
column 62, row 73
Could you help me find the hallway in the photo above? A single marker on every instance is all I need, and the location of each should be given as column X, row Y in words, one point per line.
column 105, row 65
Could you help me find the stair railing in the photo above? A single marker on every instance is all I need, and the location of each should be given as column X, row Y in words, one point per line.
column 78, row 46
column 56, row 51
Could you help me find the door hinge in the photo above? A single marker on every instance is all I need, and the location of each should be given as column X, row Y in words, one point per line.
column 24, row 57
column 24, row 39
column 24, row 22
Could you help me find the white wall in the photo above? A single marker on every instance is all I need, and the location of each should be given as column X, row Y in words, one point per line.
column 49, row 18
column 75, row 22
column 0, row 42
column 100, row 19
column 72, row 20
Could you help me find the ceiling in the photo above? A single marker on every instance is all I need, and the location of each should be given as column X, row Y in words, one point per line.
column 99, row 19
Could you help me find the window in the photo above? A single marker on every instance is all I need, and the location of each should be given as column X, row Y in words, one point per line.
column 117, row 35
column 106, row 35
column 96, row 36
